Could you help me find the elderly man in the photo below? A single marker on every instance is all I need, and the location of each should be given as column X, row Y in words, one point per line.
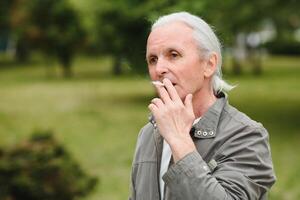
column 196, row 145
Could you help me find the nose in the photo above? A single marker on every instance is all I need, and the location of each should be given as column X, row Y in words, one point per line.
column 161, row 67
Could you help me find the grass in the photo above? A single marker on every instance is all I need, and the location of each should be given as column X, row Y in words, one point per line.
column 98, row 116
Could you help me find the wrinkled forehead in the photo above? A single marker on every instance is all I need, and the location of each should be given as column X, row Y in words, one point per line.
column 171, row 29
column 174, row 32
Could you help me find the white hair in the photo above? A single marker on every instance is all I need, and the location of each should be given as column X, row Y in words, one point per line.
column 207, row 43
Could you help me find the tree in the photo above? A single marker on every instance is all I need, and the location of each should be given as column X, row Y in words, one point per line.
column 122, row 25
column 54, row 28
column 123, row 28
column 5, row 8
column 122, row 33
column 11, row 24
column 248, row 18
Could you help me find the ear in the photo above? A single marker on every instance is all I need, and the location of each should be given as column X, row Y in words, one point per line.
column 211, row 65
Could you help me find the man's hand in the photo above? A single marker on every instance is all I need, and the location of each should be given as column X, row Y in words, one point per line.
column 174, row 119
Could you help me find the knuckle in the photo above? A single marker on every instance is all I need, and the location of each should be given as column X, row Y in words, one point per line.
column 171, row 106
column 180, row 108
column 163, row 111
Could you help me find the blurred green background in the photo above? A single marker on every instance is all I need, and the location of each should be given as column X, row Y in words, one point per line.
column 77, row 68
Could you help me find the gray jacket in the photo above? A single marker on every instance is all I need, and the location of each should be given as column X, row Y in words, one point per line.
column 232, row 161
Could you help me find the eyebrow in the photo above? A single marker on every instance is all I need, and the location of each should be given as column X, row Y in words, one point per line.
column 176, row 48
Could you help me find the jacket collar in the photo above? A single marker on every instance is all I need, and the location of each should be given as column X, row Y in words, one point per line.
column 208, row 124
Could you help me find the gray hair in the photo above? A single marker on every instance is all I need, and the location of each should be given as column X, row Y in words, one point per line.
column 207, row 43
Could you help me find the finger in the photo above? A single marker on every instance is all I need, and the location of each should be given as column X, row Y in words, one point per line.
column 171, row 90
column 153, row 108
column 188, row 102
column 158, row 102
column 163, row 94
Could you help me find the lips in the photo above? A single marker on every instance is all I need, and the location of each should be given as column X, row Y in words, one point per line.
column 174, row 84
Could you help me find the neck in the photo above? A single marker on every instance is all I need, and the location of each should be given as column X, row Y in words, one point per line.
column 202, row 101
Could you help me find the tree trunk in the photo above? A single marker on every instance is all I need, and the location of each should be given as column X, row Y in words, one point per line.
column 239, row 53
column 22, row 51
column 49, row 67
column 117, row 68
column 236, row 66
column 256, row 61
column 66, row 65
column 67, row 71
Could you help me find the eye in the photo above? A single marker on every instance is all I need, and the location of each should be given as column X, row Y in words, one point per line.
column 152, row 60
column 174, row 54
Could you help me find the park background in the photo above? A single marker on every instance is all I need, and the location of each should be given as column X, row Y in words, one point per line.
column 74, row 71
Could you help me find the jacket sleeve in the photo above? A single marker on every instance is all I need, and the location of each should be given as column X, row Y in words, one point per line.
column 132, row 195
column 132, row 190
column 244, row 171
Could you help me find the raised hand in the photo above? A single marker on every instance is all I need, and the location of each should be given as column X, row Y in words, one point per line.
column 174, row 119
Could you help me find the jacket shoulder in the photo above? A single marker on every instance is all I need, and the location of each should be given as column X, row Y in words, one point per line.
column 238, row 118
column 146, row 132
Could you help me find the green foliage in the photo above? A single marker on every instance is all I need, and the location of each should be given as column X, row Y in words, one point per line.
column 123, row 28
column 41, row 168
column 286, row 47
column 55, row 29
column 119, row 28
column 5, row 6
column 122, row 31
column 4, row 21
column 51, row 26
column 122, row 25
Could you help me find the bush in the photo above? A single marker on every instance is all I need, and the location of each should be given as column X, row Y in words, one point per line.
column 42, row 169
column 280, row 47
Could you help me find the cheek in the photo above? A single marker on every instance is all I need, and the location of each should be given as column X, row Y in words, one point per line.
column 152, row 73
column 193, row 79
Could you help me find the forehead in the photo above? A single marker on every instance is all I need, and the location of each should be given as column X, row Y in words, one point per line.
column 175, row 34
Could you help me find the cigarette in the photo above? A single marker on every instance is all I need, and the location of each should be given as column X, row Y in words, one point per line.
column 158, row 83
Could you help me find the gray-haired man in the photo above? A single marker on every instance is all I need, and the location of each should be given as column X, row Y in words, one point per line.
column 196, row 145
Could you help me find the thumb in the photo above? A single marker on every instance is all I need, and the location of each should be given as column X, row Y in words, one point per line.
column 188, row 102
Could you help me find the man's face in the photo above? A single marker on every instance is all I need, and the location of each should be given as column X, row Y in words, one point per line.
column 172, row 53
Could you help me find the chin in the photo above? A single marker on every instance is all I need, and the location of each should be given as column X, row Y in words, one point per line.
column 182, row 96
